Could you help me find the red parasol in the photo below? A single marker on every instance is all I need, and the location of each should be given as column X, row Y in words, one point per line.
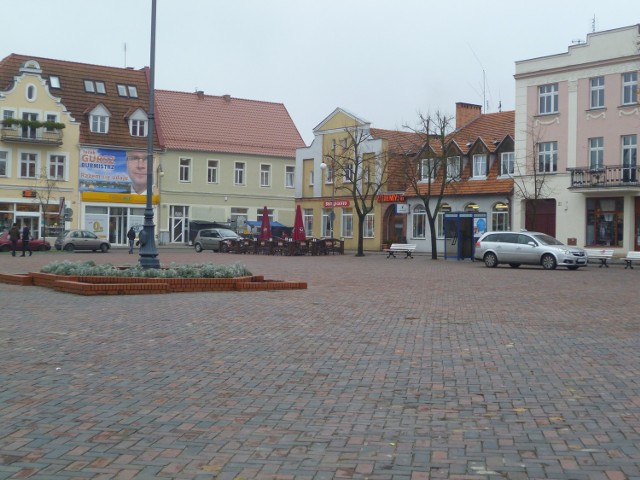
column 298, row 233
column 265, row 227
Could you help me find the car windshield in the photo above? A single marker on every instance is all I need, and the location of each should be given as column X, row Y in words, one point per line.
column 227, row 233
column 546, row 239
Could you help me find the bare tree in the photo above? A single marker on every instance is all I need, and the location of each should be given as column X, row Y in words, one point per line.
column 530, row 176
column 426, row 168
column 360, row 172
column 46, row 191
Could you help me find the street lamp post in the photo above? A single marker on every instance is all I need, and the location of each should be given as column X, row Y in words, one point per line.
column 148, row 250
column 332, row 214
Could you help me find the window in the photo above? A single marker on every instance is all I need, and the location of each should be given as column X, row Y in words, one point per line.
column 92, row 86
column 605, row 221
column 548, row 98
column 89, row 86
column 28, row 165
column 100, row 88
column 453, row 168
column 4, row 163
column 596, row 153
column 238, row 217
column 57, row 165
column 289, row 176
column 185, row 169
column 127, row 90
column 239, row 173
column 29, row 131
column 311, row 177
column 419, row 222
column 51, row 117
column 329, row 173
column 32, row 93
column 630, row 88
column 326, row 223
column 444, row 208
column 347, row 223
column 133, row 91
column 471, row 207
column 54, row 81
column 212, row 171
column 368, row 225
column 348, row 172
column 265, row 175
column 8, row 114
column 548, row 157
column 122, row 90
column 507, row 163
column 500, row 217
column 307, row 218
column 597, row 92
column 427, row 169
column 479, row 166
column 138, row 128
column 629, row 158
column 260, row 211
column 99, row 123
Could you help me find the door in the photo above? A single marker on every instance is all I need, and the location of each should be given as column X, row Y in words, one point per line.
column 179, row 223
column 29, row 132
column 31, row 222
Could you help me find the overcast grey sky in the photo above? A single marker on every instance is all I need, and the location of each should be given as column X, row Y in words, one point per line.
column 383, row 60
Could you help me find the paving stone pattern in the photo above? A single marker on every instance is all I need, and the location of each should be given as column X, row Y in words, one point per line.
column 381, row 369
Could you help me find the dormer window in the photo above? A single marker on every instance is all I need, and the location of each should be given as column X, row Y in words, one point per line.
column 138, row 123
column 94, row 86
column 99, row 120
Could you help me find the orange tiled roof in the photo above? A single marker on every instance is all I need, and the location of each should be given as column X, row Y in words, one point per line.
column 79, row 102
column 490, row 186
column 198, row 122
column 489, row 128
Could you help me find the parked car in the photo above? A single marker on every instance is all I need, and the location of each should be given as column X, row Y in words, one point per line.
column 71, row 240
column 34, row 244
column 216, row 239
column 528, row 248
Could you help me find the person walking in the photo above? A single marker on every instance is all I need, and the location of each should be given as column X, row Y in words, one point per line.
column 14, row 235
column 131, row 235
column 26, row 236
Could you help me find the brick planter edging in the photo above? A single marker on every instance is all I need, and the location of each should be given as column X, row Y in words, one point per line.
column 141, row 285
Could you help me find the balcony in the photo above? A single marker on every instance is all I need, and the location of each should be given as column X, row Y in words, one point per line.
column 39, row 136
column 618, row 177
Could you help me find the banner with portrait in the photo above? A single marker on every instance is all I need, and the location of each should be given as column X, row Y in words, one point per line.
column 113, row 171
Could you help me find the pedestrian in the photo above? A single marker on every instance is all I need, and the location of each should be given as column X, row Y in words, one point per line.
column 14, row 235
column 26, row 236
column 131, row 235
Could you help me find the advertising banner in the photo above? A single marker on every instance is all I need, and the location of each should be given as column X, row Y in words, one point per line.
column 113, row 171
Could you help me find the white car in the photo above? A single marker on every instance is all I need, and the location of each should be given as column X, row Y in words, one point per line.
column 527, row 248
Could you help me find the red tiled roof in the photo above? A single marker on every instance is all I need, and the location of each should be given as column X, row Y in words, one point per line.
column 79, row 102
column 490, row 128
column 198, row 122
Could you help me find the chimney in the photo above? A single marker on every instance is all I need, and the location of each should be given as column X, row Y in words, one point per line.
column 200, row 94
column 465, row 112
column 227, row 98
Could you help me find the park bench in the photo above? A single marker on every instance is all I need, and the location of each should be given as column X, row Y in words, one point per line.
column 630, row 258
column 406, row 248
column 599, row 254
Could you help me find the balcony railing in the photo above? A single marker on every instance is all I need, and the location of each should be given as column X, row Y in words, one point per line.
column 38, row 135
column 605, row 177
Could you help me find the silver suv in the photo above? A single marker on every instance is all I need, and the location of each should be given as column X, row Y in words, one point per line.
column 216, row 239
column 527, row 248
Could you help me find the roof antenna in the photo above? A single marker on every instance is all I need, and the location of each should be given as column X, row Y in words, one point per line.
column 593, row 24
column 125, row 54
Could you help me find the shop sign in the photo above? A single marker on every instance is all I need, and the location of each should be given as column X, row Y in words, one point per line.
column 391, row 198
column 336, row 203
column 107, row 170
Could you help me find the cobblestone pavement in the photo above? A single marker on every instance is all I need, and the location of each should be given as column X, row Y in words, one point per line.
column 381, row 369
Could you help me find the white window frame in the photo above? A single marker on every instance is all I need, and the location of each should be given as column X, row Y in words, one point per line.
column 453, row 168
column 444, row 208
column 133, row 91
column 31, row 163
column 548, row 99
column 507, row 163
column 368, row 230
column 347, row 223
column 212, row 171
column 629, row 156
column 547, row 157
column 325, row 226
column 122, row 90
column 419, row 222
column 500, row 218
column 630, row 88
column 89, row 86
column 596, row 92
column 54, row 81
column 348, row 172
column 57, row 163
column 480, row 166
column 329, row 174
column 289, row 176
column 596, row 153
column 239, row 173
column 5, row 160
column 184, row 175
column 99, row 120
column 427, row 173
column 307, row 220
column 265, row 175
column 138, row 128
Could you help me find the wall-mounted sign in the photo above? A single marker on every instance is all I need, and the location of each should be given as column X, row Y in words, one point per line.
column 336, row 203
column 29, row 193
column 113, row 171
column 402, row 208
column 391, row 198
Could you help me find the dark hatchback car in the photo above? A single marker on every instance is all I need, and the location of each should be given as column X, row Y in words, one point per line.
column 34, row 244
column 216, row 239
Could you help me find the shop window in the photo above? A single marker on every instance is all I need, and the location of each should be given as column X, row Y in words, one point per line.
column 605, row 222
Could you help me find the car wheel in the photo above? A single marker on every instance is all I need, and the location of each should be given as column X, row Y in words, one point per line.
column 198, row 247
column 573, row 267
column 69, row 247
column 224, row 248
column 514, row 265
column 490, row 260
column 548, row 261
column 104, row 248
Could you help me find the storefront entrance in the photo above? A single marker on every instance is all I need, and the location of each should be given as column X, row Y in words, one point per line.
column 636, row 236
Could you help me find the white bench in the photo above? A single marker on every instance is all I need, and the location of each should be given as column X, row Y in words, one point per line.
column 631, row 257
column 599, row 254
column 406, row 248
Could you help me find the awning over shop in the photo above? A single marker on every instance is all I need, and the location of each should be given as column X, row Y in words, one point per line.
column 254, row 223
